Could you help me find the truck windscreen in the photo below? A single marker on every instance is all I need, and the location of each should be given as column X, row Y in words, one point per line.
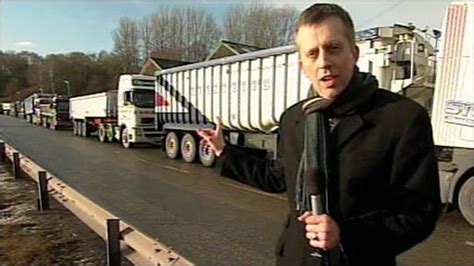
column 144, row 98
column 62, row 106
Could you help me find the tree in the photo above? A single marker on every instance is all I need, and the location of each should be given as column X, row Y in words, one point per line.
column 146, row 38
column 126, row 39
column 260, row 25
column 179, row 33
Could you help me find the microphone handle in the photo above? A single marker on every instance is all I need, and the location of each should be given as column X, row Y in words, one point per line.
column 317, row 209
column 316, row 204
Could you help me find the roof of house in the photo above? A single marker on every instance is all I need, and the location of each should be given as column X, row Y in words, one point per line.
column 227, row 48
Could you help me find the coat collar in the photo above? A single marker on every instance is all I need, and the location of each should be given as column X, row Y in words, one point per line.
column 347, row 127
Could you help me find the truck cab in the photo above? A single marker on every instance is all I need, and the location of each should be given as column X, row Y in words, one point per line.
column 136, row 117
column 35, row 104
column 56, row 114
column 402, row 59
column 5, row 108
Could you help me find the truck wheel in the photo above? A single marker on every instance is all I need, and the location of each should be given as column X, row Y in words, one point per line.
column 466, row 200
column 125, row 140
column 172, row 145
column 75, row 128
column 84, row 129
column 102, row 133
column 109, row 134
column 188, row 148
column 206, row 155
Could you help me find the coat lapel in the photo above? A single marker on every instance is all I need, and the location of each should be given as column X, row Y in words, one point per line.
column 346, row 128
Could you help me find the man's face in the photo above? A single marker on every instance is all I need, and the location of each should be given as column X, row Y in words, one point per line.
column 327, row 57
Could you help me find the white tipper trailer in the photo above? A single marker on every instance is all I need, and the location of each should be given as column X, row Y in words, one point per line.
column 88, row 111
column 453, row 109
column 34, row 103
column 251, row 91
column 125, row 115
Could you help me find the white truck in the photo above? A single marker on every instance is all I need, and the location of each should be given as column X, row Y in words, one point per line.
column 250, row 91
column 56, row 114
column 34, row 104
column 402, row 58
column 453, row 109
column 5, row 108
column 125, row 115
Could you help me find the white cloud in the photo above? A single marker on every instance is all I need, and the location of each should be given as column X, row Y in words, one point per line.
column 25, row 44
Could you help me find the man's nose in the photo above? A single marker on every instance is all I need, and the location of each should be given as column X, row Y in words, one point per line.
column 324, row 60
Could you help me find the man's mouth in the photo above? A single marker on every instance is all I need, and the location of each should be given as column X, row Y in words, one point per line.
column 329, row 80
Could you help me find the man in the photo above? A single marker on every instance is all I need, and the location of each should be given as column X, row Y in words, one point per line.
column 381, row 192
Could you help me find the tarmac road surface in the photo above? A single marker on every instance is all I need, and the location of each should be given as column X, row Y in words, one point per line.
column 209, row 219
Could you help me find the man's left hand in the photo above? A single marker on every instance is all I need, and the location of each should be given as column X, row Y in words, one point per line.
column 321, row 230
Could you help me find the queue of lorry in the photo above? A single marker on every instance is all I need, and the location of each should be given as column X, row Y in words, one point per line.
column 250, row 91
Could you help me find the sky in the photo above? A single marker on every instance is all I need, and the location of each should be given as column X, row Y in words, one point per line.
column 63, row 26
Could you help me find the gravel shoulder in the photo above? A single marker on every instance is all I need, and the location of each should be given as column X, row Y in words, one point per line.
column 30, row 237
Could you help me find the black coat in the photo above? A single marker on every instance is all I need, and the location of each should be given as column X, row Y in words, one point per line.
column 385, row 192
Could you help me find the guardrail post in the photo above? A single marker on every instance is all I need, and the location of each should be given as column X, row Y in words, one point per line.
column 113, row 242
column 2, row 152
column 16, row 165
column 43, row 199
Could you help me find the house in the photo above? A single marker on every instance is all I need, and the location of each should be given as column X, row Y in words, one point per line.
column 154, row 64
column 227, row 48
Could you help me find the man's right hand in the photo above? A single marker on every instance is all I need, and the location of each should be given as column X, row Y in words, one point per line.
column 213, row 137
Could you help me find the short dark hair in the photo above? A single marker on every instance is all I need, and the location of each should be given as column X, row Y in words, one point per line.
column 320, row 12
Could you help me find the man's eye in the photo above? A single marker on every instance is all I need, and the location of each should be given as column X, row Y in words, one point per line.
column 312, row 54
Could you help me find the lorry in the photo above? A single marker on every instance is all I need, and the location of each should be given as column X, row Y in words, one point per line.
column 125, row 115
column 5, row 108
column 250, row 91
column 56, row 114
column 453, row 110
column 18, row 109
column 402, row 58
column 33, row 105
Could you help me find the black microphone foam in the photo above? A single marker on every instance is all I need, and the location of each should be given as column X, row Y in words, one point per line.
column 313, row 181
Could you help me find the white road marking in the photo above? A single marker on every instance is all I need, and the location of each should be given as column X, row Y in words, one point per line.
column 249, row 189
column 164, row 166
column 175, row 169
column 80, row 140
column 143, row 160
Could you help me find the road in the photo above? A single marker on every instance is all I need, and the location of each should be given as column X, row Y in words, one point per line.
column 209, row 219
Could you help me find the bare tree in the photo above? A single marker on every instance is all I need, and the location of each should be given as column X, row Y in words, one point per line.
column 183, row 33
column 233, row 28
column 126, row 39
column 260, row 25
column 146, row 37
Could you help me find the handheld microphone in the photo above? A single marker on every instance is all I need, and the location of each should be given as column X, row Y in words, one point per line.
column 313, row 184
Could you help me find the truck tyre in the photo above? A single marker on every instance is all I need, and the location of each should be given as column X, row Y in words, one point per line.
column 102, row 133
column 189, row 148
column 466, row 200
column 85, row 132
column 172, row 145
column 75, row 128
column 124, row 139
column 206, row 155
column 109, row 133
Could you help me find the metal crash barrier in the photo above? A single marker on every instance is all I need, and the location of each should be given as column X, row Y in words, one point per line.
column 121, row 238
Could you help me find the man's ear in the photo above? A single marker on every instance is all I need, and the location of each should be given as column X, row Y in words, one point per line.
column 355, row 52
